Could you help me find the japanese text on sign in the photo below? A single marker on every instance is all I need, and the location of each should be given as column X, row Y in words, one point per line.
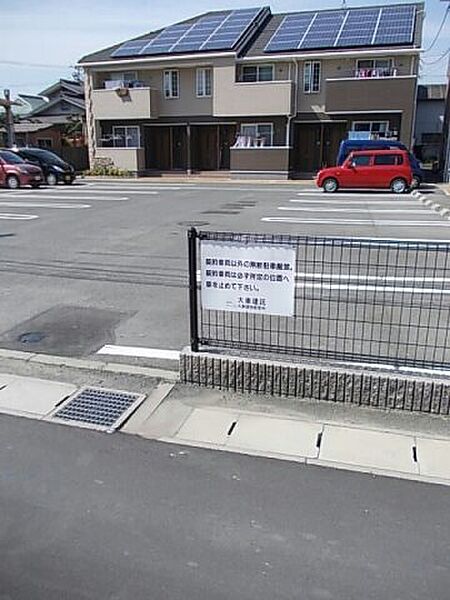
column 248, row 278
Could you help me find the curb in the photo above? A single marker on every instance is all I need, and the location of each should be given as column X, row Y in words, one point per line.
column 89, row 365
column 443, row 212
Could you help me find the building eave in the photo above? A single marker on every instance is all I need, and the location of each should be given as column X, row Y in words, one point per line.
column 157, row 59
column 267, row 58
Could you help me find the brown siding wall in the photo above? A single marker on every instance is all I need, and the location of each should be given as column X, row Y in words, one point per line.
column 260, row 159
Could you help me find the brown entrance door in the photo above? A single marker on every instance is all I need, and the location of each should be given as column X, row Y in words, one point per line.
column 333, row 134
column 307, row 152
column 179, row 148
column 157, row 148
column 227, row 137
column 205, row 147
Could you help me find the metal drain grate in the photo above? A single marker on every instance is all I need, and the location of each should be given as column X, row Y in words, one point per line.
column 98, row 408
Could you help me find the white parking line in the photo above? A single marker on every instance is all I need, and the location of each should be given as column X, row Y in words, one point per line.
column 355, row 210
column 139, row 352
column 351, row 222
column 354, row 194
column 25, row 204
column 45, row 196
column 102, row 191
column 366, row 278
column 373, row 288
column 367, row 202
column 17, row 217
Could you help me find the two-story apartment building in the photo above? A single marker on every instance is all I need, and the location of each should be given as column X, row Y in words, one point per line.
column 254, row 92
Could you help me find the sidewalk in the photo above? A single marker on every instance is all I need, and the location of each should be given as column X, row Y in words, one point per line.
column 392, row 444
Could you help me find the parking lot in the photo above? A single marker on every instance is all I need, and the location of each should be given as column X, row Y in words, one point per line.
column 104, row 263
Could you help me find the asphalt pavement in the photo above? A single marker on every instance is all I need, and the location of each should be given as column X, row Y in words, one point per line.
column 104, row 263
column 88, row 515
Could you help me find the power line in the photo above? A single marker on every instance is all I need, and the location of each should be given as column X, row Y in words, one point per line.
column 441, row 57
column 17, row 63
column 438, row 33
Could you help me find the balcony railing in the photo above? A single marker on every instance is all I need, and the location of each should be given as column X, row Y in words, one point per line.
column 376, row 72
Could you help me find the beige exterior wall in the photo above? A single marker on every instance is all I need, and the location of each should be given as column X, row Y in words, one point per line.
column 139, row 103
column 131, row 159
column 187, row 104
column 232, row 99
column 343, row 68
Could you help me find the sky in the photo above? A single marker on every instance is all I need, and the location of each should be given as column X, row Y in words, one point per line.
column 43, row 39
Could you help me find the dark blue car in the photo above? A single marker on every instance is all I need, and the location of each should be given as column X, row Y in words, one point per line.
column 348, row 146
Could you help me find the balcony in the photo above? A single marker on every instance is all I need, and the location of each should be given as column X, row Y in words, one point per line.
column 125, row 103
column 254, row 99
column 371, row 92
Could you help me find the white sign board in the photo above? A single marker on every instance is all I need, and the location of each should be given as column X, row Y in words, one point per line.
column 251, row 278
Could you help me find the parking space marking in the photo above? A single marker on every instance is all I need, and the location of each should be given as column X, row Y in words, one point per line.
column 25, row 204
column 139, row 352
column 45, row 196
column 101, row 191
column 353, row 210
column 353, row 194
column 17, row 217
column 351, row 222
column 363, row 202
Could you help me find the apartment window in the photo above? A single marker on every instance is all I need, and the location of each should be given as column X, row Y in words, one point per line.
column 204, row 83
column 376, row 67
column 126, row 137
column 377, row 129
column 254, row 73
column 311, row 77
column 125, row 79
column 171, row 84
column 257, row 134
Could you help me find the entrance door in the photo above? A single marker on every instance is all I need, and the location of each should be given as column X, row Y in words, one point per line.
column 157, row 148
column 307, row 153
column 333, row 134
column 179, row 148
column 205, row 147
column 227, row 137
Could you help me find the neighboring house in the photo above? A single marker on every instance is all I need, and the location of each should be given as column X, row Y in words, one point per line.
column 254, row 92
column 445, row 152
column 429, row 121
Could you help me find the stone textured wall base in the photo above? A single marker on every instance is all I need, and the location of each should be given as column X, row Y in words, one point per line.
column 373, row 388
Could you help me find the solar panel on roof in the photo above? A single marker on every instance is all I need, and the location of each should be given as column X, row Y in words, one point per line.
column 396, row 25
column 359, row 28
column 344, row 28
column 290, row 32
column 323, row 30
column 217, row 31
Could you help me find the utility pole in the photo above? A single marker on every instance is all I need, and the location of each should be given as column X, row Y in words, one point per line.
column 7, row 103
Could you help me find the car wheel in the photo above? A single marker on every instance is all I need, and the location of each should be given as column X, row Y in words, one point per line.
column 399, row 186
column 415, row 183
column 12, row 182
column 330, row 185
column 51, row 179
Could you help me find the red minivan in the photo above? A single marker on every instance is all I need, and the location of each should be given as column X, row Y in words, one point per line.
column 369, row 169
column 15, row 172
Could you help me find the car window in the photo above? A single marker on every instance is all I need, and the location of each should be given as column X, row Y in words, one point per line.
column 363, row 160
column 386, row 159
column 10, row 157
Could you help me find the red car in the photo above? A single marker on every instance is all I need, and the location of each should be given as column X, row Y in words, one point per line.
column 369, row 169
column 15, row 172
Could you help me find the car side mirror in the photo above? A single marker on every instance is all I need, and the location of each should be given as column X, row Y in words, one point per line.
column 352, row 164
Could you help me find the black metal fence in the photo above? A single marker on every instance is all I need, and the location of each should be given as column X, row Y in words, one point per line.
column 356, row 300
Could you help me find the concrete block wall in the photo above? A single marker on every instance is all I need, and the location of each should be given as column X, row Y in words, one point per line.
column 384, row 390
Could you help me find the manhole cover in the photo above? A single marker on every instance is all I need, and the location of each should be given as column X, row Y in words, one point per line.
column 193, row 223
column 31, row 337
column 98, row 408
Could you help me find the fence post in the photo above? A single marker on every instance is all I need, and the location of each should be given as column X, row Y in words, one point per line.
column 193, row 300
